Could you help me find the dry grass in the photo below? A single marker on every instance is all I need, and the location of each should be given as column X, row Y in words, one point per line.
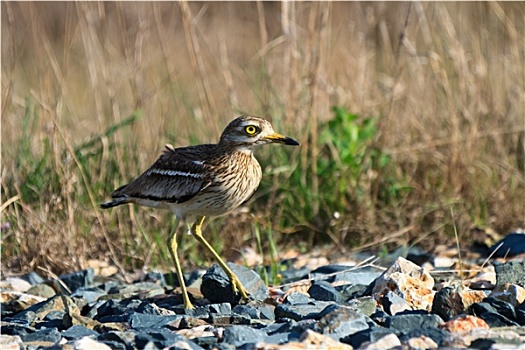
column 445, row 79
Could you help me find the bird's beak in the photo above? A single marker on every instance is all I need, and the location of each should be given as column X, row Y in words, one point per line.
column 278, row 138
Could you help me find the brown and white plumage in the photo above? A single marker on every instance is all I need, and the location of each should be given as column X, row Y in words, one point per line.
column 204, row 180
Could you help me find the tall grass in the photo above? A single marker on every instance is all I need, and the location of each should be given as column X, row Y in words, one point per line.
column 430, row 117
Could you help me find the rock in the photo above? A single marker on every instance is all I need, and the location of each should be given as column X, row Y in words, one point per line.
column 365, row 305
column 241, row 335
column 42, row 290
column 78, row 279
column 487, row 338
column 452, row 301
column 51, row 335
column 464, row 324
column 483, row 280
column 324, row 291
column 340, row 322
column 310, row 340
column 139, row 321
column 511, row 293
column 73, row 318
column 368, row 336
column 513, row 244
column 448, row 303
column 15, row 284
column 409, row 281
column 393, row 304
column 497, row 313
column 293, row 275
column 512, row 272
column 90, row 294
column 161, row 339
column 422, row 342
column 11, row 342
column 217, row 288
column 102, row 268
column 34, row 278
column 118, row 340
column 262, row 312
column 142, row 290
column 297, row 299
column 15, row 302
column 363, row 276
column 520, row 314
column 437, row 335
column 86, row 343
column 77, row 332
column 312, row 310
column 58, row 302
column 389, row 341
column 409, row 322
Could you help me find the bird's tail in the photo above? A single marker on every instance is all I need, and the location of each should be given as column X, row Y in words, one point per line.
column 115, row 202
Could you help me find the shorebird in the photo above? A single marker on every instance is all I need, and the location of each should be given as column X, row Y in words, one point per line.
column 204, row 180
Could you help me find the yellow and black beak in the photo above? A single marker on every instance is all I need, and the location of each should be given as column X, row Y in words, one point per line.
column 278, row 138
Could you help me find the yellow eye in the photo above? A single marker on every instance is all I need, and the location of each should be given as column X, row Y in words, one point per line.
column 251, row 130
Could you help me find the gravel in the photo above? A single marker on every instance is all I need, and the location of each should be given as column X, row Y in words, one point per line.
column 341, row 308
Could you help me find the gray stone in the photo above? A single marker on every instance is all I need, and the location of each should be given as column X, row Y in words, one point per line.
column 138, row 321
column 409, row 322
column 502, row 307
column 118, row 340
column 393, row 303
column 114, row 307
column 163, row 339
column 510, row 272
column 341, row 322
column 28, row 316
column 51, row 335
column 297, row 299
column 77, row 332
column 247, row 310
column 217, row 288
column 368, row 335
column 365, row 305
column 90, row 294
column 78, row 279
column 281, row 338
column 357, row 277
column 34, row 278
column 42, row 290
column 496, row 313
column 241, row 335
column 300, row 311
column 513, row 244
column 293, row 275
column 448, row 303
column 324, row 291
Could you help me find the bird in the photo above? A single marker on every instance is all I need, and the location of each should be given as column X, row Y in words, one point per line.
column 194, row 182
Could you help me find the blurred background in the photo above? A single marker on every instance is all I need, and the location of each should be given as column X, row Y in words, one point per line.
column 410, row 116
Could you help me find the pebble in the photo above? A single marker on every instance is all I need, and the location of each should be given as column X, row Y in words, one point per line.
column 324, row 291
column 399, row 307
column 409, row 281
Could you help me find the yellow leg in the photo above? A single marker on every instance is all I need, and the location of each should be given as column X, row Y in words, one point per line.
column 172, row 246
column 236, row 283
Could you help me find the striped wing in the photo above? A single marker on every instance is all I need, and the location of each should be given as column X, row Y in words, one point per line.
column 177, row 176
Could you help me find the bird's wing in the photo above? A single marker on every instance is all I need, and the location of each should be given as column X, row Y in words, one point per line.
column 177, row 176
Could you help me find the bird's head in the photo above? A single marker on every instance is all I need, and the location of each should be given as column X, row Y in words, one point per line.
column 247, row 133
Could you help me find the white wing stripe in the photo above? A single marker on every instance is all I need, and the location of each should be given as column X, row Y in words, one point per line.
column 174, row 173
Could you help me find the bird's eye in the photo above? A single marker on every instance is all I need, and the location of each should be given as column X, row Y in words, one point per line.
column 251, row 130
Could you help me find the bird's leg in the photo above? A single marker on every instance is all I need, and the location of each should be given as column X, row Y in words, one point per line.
column 172, row 246
column 236, row 283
